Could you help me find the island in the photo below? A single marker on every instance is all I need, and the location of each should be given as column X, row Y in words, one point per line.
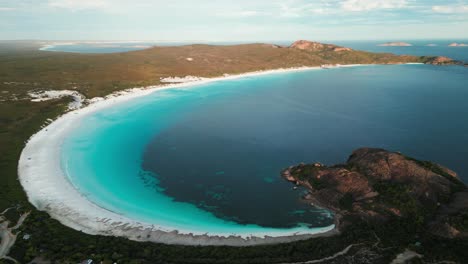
column 458, row 45
column 394, row 193
column 395, row 44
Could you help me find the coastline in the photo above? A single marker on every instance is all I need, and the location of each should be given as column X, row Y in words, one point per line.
column 48, row 189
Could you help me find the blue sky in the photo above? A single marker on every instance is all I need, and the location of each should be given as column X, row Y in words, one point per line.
column 233, row 20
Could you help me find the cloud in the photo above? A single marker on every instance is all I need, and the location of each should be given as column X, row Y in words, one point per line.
column 450, row 9
column 250, row 13
column 79, row 4
column 367, row 5
column 7, row 9
column 245, row 13
column 295, row 9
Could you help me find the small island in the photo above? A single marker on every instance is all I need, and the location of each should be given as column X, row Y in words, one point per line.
column 458, row 45
column 395, row 44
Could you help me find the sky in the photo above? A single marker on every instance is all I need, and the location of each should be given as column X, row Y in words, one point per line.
column 233, row 20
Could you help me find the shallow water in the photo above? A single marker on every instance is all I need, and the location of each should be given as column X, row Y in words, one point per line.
column 208, row 158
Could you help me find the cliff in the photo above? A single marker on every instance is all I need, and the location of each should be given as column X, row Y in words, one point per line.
column 375, row 184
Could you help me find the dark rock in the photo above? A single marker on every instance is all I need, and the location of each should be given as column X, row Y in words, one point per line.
column 375, row 183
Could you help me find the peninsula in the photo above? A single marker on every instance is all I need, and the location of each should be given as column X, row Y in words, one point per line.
column 97, row 75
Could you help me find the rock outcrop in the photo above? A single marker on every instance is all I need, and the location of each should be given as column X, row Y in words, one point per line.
column 378, row 184
column 440, row 60
column 316, row 46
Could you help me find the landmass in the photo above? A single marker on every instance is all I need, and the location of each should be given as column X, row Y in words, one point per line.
column 395, row 44
column 59, row 82
column 25, row 68
column 458, row 45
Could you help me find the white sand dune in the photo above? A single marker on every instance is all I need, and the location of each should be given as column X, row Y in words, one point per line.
column 77, row 97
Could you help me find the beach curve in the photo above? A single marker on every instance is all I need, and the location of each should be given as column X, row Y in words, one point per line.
column 49, row 190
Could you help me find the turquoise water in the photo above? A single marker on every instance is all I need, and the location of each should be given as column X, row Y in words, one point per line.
column 103, row 160
column 208, row 158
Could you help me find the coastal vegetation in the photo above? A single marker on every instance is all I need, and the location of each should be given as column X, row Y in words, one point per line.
column 24, row 69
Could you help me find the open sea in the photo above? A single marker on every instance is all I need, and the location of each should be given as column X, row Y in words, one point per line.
column 208, row 158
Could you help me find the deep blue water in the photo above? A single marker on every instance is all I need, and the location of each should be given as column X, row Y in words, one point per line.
column 208, row 158
column 242, row 140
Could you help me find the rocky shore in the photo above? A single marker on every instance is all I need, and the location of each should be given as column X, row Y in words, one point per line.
column 378, row 185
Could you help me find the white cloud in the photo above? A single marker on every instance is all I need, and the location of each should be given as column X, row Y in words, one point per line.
column 366, row 5
column 450, row 9
column 7, row 9
column 250, row 13
column 79, row 4
column 245, row 13
column 294, row 9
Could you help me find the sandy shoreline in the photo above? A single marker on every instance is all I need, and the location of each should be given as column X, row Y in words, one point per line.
column 48, row 189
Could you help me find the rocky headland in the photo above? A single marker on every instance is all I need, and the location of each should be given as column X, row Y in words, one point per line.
column 379, row 185
column 441, row 60
column 395, row 44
